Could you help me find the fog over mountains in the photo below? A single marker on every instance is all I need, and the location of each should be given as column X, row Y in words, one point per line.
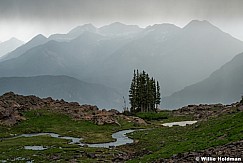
column 62, row 87
column 176, row 57
column 225, row 85
column 106, row 56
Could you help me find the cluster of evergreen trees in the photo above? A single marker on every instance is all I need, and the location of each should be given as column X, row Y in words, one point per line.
column 144, row 93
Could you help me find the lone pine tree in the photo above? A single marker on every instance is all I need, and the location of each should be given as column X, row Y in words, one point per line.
column 144, row 93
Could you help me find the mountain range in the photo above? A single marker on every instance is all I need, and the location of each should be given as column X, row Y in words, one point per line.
column 176, row 57
column 113, row 30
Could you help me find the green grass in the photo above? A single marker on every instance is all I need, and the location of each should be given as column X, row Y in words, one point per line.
column 48, row 121
column 165, row 141
column 57, row 148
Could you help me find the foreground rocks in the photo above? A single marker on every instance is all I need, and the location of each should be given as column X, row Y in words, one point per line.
column 12, row 106
column 230, row 150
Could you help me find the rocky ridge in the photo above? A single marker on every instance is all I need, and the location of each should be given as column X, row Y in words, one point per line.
column 12, row 106
column 204, row 111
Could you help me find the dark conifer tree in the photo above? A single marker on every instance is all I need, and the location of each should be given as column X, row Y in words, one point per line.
column 157, row 101
column 132, row 92
column 144, row 93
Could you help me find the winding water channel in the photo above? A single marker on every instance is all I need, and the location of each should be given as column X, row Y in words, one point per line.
column 120, row 136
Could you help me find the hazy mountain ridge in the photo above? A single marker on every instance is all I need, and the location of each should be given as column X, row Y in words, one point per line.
column 74, row 33
column 63, row 87
column 73, row 58
column 112, row 30
column 177, row 57
column 9, row 45
column 119, row 29
column 225, row 85
column 37, row 40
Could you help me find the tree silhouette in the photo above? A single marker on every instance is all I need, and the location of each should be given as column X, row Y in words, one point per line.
column 144, row 93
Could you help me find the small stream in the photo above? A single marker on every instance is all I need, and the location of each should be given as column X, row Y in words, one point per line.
column 120, row 136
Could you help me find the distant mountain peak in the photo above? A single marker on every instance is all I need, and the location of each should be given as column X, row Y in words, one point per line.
column 198, row 24
column 119, row 24
column 39, row 37
column 161, row 32
column 162, row 26
column 88, row 26
column 14, row 39
column 37, row 40
column 83, row 28
column 200, row 21
column 119, row 29
column 9, row 45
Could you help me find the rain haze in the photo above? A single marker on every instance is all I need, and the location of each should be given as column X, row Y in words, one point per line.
column 181, row 43
column 26, row 18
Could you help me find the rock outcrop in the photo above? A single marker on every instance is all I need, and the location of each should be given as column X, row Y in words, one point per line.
column 204, row 111
column 12, row 105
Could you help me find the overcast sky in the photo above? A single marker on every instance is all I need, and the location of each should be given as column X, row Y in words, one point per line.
column 24, row 19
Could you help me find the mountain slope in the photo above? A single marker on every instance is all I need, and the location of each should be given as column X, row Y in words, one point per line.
column 63, row 87
column 9, row 45
column 223, row 86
